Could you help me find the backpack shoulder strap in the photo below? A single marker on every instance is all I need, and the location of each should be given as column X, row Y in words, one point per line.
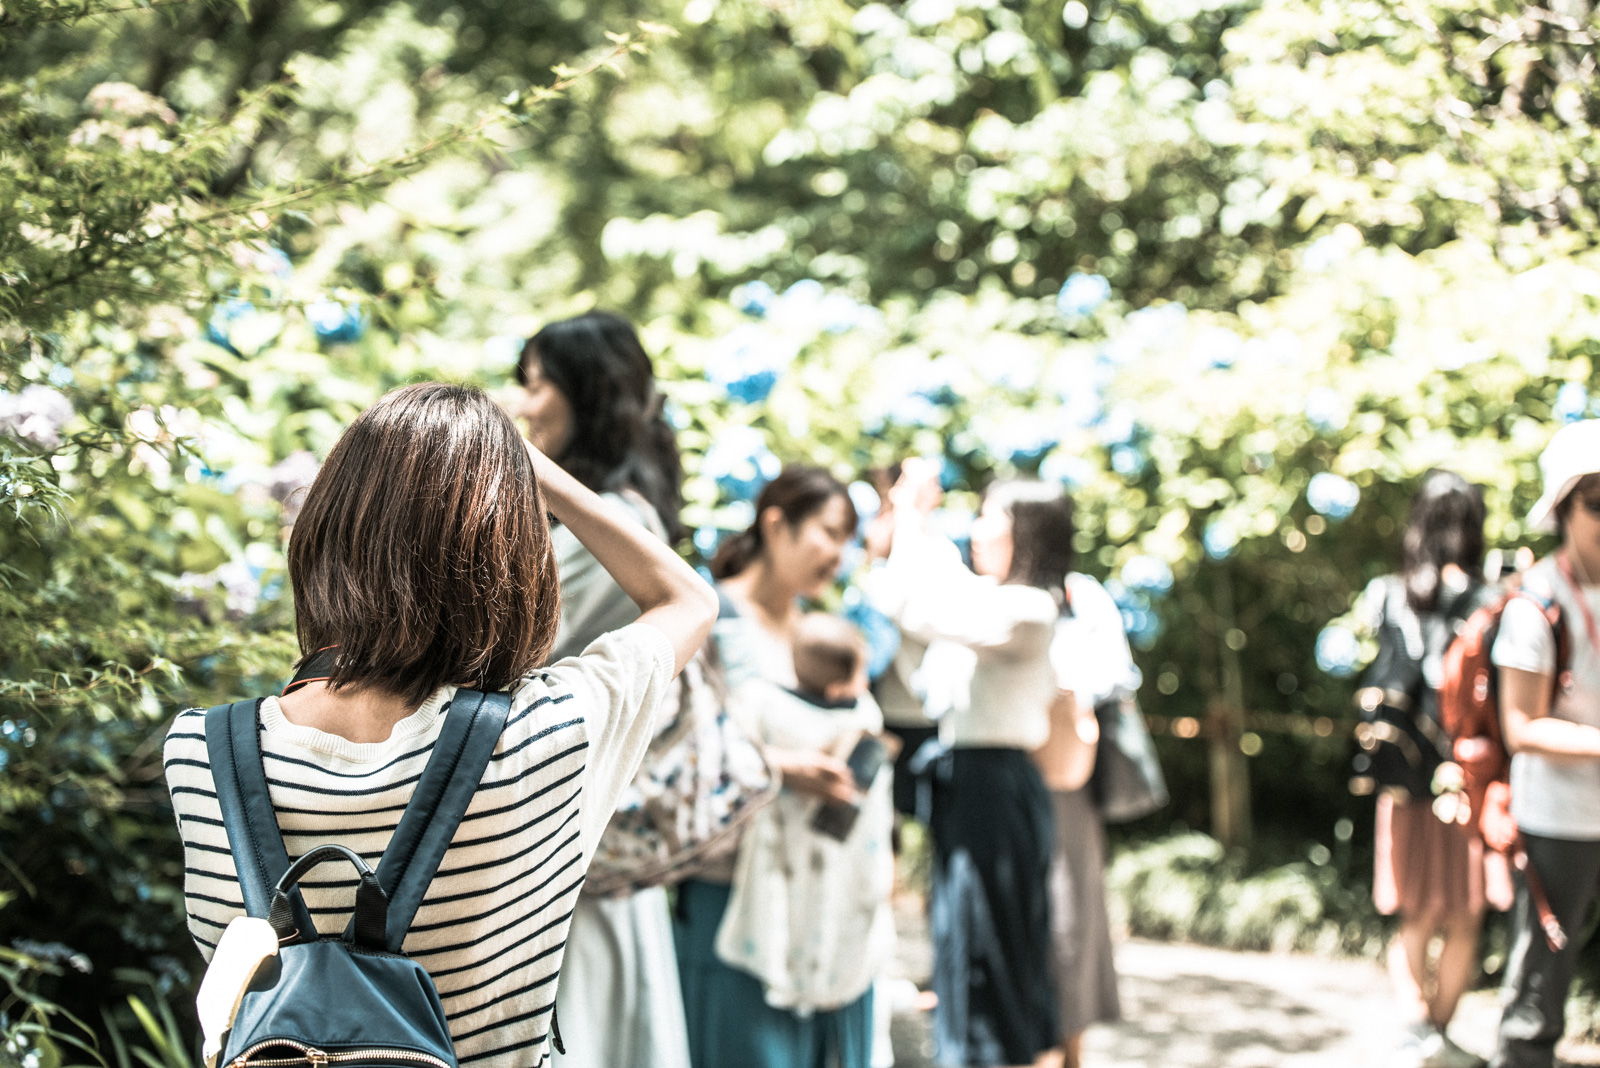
column 234, row 748
column 454, row 771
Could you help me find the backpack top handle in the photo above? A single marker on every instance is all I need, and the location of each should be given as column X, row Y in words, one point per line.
column 371, row 918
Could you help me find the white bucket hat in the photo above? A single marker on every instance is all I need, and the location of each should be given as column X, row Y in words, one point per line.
column 1573, row 452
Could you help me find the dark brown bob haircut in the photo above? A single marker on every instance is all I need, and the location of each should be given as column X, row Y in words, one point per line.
column 423, row 552
column 1042, row 529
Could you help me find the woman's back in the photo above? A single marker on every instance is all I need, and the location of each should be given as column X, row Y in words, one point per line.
column 493, row 924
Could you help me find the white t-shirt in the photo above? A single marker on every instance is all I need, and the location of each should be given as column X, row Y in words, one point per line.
column 493, row 925
column 1090, row 651
column 1555, row 797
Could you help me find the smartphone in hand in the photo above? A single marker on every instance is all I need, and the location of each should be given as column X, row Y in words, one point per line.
column 836, row 818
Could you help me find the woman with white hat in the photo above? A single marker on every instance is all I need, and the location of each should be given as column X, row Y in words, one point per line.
column 1552, row 729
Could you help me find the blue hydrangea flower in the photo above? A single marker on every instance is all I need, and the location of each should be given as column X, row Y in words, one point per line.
column 1061, row 466
column 746, row 364
column 1216, row 348
column 1148, row 573
column 839, row 314
column 335, row 323
column 740, row 463
column 915, row 410
column 1220, row 539
column 1338, row 651
column 275, row 261
column 1572, row 402
column 1021, row 437
column 754, row 299
column 883, row 637
column 1332, row 496
column 805, row 291
column 223, row 316
column 1082, row 294
column 1118, row 426
column 1327, row 410
column 1128, row 461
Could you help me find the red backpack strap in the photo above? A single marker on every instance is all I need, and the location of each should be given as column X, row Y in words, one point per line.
column 1555, row 936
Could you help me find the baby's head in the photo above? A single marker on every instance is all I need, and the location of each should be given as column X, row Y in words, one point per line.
column 830, row 659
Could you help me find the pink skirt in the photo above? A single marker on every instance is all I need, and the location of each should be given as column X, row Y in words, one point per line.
column 1426, row 867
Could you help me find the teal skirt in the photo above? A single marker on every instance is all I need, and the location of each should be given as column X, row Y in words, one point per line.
column 730, row 1023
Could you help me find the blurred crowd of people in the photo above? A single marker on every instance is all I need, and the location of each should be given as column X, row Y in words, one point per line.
column 1004, row 656
column 982, row 726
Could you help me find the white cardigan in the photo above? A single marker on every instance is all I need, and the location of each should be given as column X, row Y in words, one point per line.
column 926, row 589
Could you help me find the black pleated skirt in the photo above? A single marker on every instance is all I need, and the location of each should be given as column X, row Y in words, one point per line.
column 993, row 831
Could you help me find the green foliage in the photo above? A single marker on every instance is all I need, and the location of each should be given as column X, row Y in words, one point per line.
column 1187, row 887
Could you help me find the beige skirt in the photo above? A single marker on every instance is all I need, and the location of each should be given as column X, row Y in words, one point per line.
column 1425, row 867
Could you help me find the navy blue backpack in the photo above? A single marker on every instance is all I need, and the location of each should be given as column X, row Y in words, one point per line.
column 354, row 999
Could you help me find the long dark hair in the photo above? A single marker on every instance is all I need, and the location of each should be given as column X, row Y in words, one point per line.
column 620, row 436
column 422, row 550
column 799, row 492
column 1445, row 527
column 1041, row 532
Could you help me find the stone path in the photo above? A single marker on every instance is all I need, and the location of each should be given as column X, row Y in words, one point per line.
column 1193, row 1007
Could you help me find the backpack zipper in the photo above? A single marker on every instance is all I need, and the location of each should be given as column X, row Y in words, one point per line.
column 320, row 1059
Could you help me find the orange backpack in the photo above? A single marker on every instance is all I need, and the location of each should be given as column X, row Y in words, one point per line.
column 1469, row 712
column 1475, row 787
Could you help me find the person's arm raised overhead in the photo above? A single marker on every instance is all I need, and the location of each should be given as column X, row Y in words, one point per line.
column 670, row 596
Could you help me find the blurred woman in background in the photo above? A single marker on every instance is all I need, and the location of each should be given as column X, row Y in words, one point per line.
column 1430, row 872
column 1093, row 666
column 590, row 403
column 992, row 826
column 793, row 550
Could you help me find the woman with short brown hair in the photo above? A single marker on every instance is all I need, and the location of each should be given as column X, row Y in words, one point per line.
column 422, row 563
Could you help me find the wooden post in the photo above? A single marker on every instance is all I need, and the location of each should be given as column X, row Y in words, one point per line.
column 1230, row 772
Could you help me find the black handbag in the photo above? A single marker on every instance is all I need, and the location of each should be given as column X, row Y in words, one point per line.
column 1127, row 783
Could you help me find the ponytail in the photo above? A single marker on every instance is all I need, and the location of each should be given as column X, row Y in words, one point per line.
column 738, row 552
column 798, row 493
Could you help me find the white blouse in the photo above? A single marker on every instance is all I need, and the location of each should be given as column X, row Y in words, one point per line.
column 925, row 588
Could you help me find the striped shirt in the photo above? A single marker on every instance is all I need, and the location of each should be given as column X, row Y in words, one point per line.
column 492, row 928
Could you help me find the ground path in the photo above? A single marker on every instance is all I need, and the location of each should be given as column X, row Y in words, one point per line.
column 1190, row 1006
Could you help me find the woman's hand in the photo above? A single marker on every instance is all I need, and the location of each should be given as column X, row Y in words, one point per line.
column 815, row 774
column 879, row 539
column 917, row 491
column 670, row 596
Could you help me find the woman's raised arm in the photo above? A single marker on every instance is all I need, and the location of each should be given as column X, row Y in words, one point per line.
column 670, row 596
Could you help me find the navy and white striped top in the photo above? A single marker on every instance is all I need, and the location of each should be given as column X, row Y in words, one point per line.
column 493, row 925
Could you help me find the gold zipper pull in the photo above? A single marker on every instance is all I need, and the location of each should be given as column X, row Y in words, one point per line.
column 316, row 1058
